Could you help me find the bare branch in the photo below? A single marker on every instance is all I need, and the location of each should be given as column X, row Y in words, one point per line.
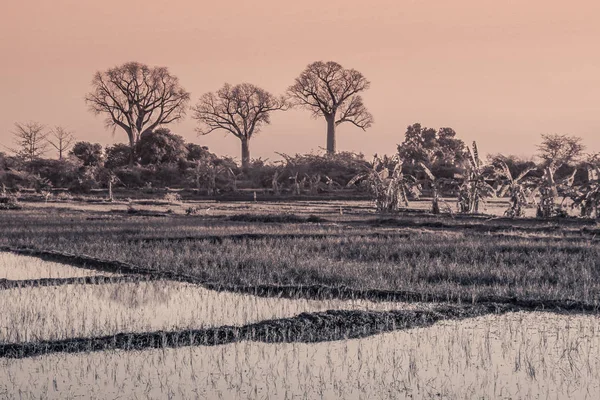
column 62, row 140
column 356, row 113
column 241, row 110
column 326, row 89
column 30, row 139
column 137, row 98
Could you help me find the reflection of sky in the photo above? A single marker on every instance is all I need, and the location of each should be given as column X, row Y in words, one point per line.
column 18, row 267
column 96, row 310
column 518, row 356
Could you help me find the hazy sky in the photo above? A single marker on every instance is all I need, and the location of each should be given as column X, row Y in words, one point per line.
column 500, row 72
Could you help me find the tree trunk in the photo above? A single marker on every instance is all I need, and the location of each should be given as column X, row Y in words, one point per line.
column 132, row 148
column 330, row 134
column 245, row 153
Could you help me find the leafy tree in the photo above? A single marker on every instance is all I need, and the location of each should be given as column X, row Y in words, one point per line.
column 558, row 150
column 160, row 146
column 90, row 154
column 117, row 156
column 434, row 148
column 241, row 110
column 196, row 152
column 60, row 173
column 137, row 98
column 331, row 91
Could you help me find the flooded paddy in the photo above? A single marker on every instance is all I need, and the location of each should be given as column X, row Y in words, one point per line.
column 19, row 267
column 515, row 355
column 51, row 313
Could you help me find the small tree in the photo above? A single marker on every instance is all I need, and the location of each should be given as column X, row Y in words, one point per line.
column 117, row 156
column 558, row 150
column 31, row 140
column 196, row 152
column 161, row 146
column 242, row 110
column 328, row 90
column 422, row 144
column 61, row 140
column 90, row 154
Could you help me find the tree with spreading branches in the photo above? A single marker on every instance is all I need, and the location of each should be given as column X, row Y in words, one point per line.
column 31, row 140
column 61, row 139
column 137, row 98
column 241, row 110
column 558, row 150
column 328, row 90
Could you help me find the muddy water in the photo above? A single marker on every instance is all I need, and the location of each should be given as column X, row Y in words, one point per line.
column 18, row 267
column 516, row 356
column 47, row 313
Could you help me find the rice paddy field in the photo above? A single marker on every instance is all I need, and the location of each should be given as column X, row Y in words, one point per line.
column 301, row 300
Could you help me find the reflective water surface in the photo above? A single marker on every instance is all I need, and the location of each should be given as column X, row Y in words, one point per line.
column 512, row 356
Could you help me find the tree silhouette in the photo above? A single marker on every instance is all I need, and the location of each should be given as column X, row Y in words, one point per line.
column 331, row 91
column 241, row 110
column 137, row 98
column 31, row 140
column 61, row 140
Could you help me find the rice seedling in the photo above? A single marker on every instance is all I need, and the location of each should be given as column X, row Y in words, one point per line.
column 459, row 259
column 523, row 355
column 52, row 313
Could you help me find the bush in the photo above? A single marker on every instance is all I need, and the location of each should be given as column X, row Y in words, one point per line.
column 339, row 167
column 117, row 156
column 132, row 177
column 9, row 202
column 160, row 146
column 90, row 154
column 60, row 173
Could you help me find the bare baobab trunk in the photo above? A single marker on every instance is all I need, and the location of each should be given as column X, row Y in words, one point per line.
column 330, row 134
column 132, row 144
column 245, row 152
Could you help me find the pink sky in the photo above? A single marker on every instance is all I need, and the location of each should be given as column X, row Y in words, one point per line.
column 499, row 72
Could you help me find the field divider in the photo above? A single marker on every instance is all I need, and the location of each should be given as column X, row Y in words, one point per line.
column 6, row 284
column 311, row 292
column 316, row 327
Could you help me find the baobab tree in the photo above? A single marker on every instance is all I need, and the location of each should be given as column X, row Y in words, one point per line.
column 31, row 140
column 61, row 140
column 241, row 110
column 328, row 90
column 137, row 98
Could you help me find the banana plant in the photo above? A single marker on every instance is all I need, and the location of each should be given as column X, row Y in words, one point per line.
column 388, row 186
column 516, row 188
column 435, row 188
column 474, row 189
column 587, row 196
column 549, row 189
